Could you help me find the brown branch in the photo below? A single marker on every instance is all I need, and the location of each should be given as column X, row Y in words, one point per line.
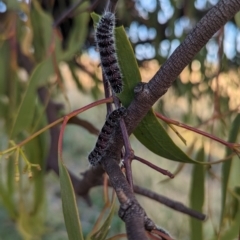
column 87, row 9
column 128, row 153
column 193, row 129
column 178, row 206
column 130, row 211
column 67, row 13
column 166, row 75
column 147, row 94
column 85, row 124
column 161, row 170
column 89, row 181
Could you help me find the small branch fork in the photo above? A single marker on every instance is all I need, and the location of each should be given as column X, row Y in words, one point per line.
column 128, row 203
column 68, row 13
column 129, row 154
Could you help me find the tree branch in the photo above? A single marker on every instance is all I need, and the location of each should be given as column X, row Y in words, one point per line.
column 130, row 211
column 180, row 58
column 147, row 94
column 178, row 206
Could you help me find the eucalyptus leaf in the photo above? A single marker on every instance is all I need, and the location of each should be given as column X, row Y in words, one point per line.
column 25, row 112
column 197, row 196
column 237, row 19
column 42, row 31
column 78, row 33
column 4, row 75
column 7, row 201
column 70, row 210
column 226, row 166
column 232, row 232
column 101, row 234
column 36, row 153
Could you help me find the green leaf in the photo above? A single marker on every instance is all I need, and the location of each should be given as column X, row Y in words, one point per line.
column 42, row 31
column 102, row 233
column 237, row 19
column 232, row 232
column 75, row 76
column 10, row 178
column 226, row 166
column 78, row 33
column 13, row 5
column 8, row 201
column 36, row 152
column 4, row 75
column 70, row 211
column 153, row 136
column 149, row 132
column 128, row 65
column 25, row 113
column 197, row 196
column 234, row 203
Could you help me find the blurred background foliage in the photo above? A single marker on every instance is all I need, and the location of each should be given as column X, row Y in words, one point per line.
column 40, row 49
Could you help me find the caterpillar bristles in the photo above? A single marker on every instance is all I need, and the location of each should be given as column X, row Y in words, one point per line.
column 105, row 40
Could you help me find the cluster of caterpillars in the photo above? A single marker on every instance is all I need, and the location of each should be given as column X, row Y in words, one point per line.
column 105, row 40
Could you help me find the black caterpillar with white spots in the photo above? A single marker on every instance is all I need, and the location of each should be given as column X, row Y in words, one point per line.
column 104, row 137
column 105, row 40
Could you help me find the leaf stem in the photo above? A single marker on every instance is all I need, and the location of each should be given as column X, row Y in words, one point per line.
column 233, row 146
column 70, row 115
column 73, row 114
column 163, row 171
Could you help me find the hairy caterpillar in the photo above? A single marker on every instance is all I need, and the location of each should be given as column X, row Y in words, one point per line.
column 105, row 136
column 106, row 46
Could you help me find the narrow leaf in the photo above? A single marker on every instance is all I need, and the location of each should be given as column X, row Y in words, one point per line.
column 153, row 136
column 78, row 33
column 7, row 201
column 233, row 231
column 101, row 234
column 4, row 74
column 25, row 113
column 42, row 31
column 197, row 196
column 70, row 210
column 35, row 150
column 226, row 166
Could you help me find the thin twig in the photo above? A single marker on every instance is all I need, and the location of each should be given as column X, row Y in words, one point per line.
column 178, row 206
column 129, row 153
column 66, row 13
column 56, row 122
column 85, row 124
column 218, row 116
column 163, row 171
column 87, row 9
column 182, row 125
column 163, row 236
